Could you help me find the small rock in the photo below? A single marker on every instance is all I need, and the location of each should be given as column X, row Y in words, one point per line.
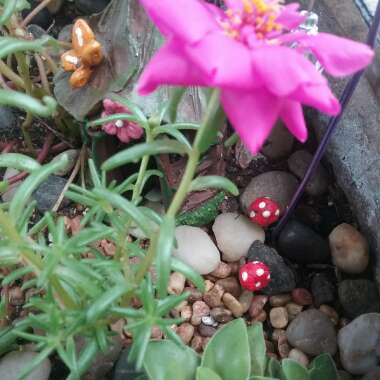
column 196, row 343
column 234, row 235
column 196, row 249
column 195, row 294
column 206, row 331
column 277, row 185
column 200, row 309
column 313, row 333
column 331, row 313
column 279, row 143
column 283, row 346
column 222, row 271
column 156, row 333
column 373, row 374
column 36, row 31
column 9, row 124
column 235, row 267
column 280, row 300
column 293, row 310
column 11, row 191
column 257, row 305
column 221, row 314
column 186, row 313
column 89, row 7
column 104, row 361
column 72, row 155
column 230, row 285
column 358, row 297
column 299, row 243
column 186, row 332
column 299, row 357
column 298, row 164
column 208, row 285
column 359, row 344
column 46, row 195
column 233, row 304
column 176, row 283
column 278, row 317
column 349, row 249
column 245, row 300
column 208, row 320
column 277, row 333
column 13, row 363
column 302, row 297
column 282, row 277
column 213, row 298
column 262, row 317
column 343, row 375
column 323, row 289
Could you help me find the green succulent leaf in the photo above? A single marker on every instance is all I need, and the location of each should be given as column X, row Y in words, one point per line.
column 189, row 273
column 204, row 373
column 164, row 360
column 19, row 162
column 274, row 369
column 214, row 182
column 227, row 353
column 10, row 45
column 138, row 151
column 16, row 99
column 257, row 349
column 10, row 7
column 323, row 367
column 294, row 371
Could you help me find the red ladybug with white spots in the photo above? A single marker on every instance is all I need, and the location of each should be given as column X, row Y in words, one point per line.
column 264, row 211
column 254, row 276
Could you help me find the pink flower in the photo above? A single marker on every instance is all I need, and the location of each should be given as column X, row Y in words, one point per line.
column 249, row 53
column 123, row 129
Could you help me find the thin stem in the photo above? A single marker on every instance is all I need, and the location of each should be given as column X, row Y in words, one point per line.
column 345, row 98
column 43, row 76
column 11, row 75
column 34, row 13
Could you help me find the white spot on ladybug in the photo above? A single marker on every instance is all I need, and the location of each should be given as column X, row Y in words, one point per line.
column 260, row 272
column 244, row 276
column 119, row 123
column 262, row 204
column 266, row 214
column 255, row 262
column 277, row 213
column 252, row 214
column 258, row 284
column 268, row 277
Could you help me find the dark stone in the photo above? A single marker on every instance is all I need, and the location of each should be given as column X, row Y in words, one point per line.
column 358, row 297
column 89, row 7
column 125, row 370
column 206, row 331
column 9, row 124
column 42, row 18
column 301, row 244
column 282, row 277
column 323, row 289
column 374, row 374
column 48, row 192
column 36, row 31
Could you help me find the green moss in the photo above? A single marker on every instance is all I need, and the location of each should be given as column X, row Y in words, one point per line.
column 204, row 214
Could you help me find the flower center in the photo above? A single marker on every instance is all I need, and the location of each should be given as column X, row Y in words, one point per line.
column 119, row 123
column 254, row 22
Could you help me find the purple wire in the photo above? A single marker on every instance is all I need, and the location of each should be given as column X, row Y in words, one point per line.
column 345, row 98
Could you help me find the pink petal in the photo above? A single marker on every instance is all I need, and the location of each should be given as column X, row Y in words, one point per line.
column 188, row 20
column 135, row 131
column 236, row 5
column 339, row 56
column 292, row 115
column 110, row 128
column 318, row 96
column 223, row 60
column 289, row 17
column 282, row 70
column 123, row 135
column 252, row 114
column 169, row 66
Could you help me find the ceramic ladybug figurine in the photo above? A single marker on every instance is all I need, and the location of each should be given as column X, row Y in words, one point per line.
column 86, row 54
column 264, row 211
column 254, row 276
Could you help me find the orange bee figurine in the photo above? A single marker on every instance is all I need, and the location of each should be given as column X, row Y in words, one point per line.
column 86, row 54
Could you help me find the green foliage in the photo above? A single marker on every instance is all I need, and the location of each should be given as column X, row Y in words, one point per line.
column 234, row 352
